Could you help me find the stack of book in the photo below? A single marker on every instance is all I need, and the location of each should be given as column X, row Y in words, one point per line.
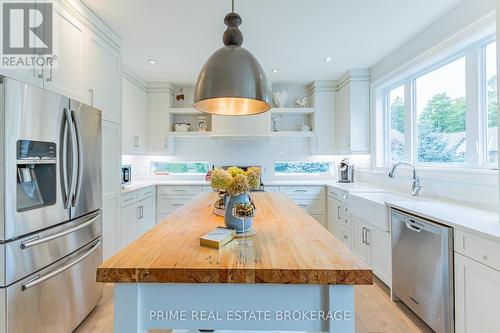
column 218, row 237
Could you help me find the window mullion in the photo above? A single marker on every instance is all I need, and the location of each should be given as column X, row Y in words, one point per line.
column 474, row 107
column 409, row 130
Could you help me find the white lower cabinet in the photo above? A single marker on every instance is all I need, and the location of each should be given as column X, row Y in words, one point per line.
column 138, row 214
column 477, row 291
column 381, row 254
column 361, row 240
column 373, row 245
column 310, row 198
column 172, row 197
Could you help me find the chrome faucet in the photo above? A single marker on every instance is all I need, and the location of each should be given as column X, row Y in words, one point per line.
column 415, row 186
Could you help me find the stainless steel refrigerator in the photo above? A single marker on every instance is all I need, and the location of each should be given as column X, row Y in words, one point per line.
column 50, row 205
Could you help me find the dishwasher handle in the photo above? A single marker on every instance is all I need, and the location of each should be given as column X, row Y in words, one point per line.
column 413, row 227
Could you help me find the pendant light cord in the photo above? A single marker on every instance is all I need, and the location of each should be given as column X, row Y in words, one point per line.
column 232, row 6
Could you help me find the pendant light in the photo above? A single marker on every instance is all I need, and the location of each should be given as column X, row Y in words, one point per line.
column 232, row 82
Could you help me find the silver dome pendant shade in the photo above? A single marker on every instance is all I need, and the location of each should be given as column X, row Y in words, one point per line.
column 232, row 82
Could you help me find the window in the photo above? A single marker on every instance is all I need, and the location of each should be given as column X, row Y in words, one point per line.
column 397, row 126
column 306, row 168
column 440, row 114
column 491, row 102
column 444, row 113
column 165, row 168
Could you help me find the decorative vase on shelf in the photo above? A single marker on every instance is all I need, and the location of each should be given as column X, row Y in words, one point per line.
column 280, row 98
column 233, row 222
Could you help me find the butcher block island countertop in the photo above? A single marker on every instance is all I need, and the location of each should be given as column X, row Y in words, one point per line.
column 290, row 247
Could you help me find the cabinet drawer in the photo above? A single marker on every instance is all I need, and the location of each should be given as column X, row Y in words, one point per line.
column 345, row 237
column 477, row 248
column 169, row 203
column 312, row 206
column 179, row 189
column 303, row 190
column 338, row 193
column 129, row 198
column 147, row 192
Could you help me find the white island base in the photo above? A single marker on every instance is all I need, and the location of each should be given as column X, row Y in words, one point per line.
column 256, row 307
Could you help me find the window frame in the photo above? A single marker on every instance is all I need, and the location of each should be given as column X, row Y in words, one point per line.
column 474, row 54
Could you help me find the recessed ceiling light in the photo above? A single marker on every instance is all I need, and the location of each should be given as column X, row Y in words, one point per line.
column 328, row 59
column 152, row 61
column 275, row 70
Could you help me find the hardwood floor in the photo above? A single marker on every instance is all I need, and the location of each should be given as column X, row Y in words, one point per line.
column 375, row 313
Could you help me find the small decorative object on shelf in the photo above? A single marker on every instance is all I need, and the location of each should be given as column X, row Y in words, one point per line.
column 275, row 119
column 305, row 128
column 180, row 97
column 182, row 127
column 237, row 183
column 280, row 98
column 202, row 124
column 301, row 102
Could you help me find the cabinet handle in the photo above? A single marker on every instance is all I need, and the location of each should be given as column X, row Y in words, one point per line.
column 91, row 95
column 177, row 204
column 363, row 235
column 49, row 79
column 338, row 212
column 129, row 199
column 345, row 237
column 316, row 142
column 136, row 141
column 366, row 237
column 166, row 143
column 40, row 76
column 300, row 191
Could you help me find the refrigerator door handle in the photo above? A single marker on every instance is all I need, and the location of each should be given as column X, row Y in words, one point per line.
column 36, row 241
column 64, row 158
column 39, row 279
column 76, row 194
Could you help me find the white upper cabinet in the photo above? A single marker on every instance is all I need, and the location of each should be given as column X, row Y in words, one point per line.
column 353, row 113
column 70, row 76
column 105, row 79
column 323, row 99
column 160, row 100
column 135, row 116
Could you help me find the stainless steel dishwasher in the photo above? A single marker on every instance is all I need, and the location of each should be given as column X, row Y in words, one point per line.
column 422, row 269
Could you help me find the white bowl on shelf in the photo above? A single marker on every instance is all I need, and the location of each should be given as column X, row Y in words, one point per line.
column 182, row 127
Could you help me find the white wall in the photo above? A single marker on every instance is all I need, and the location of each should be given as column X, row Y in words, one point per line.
column 471, row 187
column 467, row 14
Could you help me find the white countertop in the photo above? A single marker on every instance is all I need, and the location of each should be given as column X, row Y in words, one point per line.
column 481, row 222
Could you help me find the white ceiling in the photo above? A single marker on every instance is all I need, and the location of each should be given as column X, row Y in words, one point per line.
column 292, row 36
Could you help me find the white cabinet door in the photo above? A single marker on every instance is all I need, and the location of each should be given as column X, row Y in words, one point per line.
column 128, row 224
column 110, row 222
column 111, row 157
column 334, row 216
column 361, row 239
column 323, row 142
column 477, row 291
column 159, row 122
column 71, row 75
column 134, row 118
column 343, row 118
column 111, row 183
column 105, row 79
column 148, row 215
column 381, row 254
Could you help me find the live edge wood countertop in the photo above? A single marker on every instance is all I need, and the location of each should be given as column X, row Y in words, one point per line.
column 290, row 247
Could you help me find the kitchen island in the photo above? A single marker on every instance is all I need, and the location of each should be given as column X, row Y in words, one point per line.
column 293, row 274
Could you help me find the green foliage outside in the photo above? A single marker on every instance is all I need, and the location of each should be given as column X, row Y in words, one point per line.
column 442, row 115
column 180, row 167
